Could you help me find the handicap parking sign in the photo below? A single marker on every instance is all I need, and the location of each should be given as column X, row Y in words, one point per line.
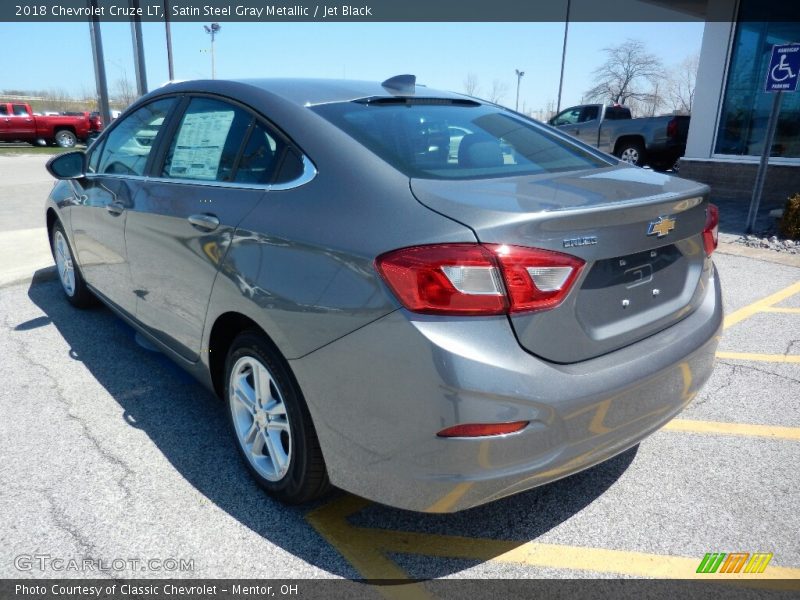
column 784, row 68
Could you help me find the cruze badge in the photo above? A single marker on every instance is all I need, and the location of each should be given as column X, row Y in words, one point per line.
column 661, row 227
column 581, row 241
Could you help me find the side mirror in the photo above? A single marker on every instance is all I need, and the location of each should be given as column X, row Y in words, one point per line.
column 70, row 165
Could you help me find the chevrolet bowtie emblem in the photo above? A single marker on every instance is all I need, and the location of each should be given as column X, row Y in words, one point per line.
column 661, row 227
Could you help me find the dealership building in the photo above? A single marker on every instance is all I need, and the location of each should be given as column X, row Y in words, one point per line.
column 731, row 109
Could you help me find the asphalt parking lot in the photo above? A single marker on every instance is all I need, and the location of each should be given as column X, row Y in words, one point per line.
column 112, row 452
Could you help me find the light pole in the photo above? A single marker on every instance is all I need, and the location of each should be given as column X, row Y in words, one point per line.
column 213, row 31
column 519, row 76
column 563, row 59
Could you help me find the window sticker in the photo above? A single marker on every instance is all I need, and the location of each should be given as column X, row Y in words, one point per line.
column 201, row 140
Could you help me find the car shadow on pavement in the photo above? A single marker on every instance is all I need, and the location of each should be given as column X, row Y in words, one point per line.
column 189, row 427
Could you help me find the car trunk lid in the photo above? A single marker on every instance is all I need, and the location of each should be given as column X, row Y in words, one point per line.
column 640, row 234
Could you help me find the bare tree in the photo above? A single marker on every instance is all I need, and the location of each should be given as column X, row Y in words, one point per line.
column 499, row 89
column 471, row 84
column 124, row 91
column 681, row 82
column 628, row 66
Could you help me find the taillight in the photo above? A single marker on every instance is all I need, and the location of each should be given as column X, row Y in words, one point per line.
column 711, row 230
column 475, row 279
column 455, row 279
column 672, row 128
column 536, row 279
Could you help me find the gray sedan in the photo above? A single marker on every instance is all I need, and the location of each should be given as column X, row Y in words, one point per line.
column 429, row 322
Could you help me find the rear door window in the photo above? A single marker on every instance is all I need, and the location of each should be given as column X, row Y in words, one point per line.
column 589, row 113
column 206, row 145
column 20, row 110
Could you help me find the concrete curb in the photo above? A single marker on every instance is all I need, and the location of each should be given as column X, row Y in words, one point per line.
column 40, row 276
column 763, row 254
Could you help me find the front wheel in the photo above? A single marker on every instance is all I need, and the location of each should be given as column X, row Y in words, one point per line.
column 271, row 423
column 65, row 138
column 631, row 153
column 68, row 272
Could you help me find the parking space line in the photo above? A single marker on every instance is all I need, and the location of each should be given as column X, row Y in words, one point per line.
column 367, row 548
column 774, row 358
column 748, row 311
column 781, row 309
column 740, row 429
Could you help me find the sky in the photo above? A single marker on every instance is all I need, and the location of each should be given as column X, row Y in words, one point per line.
column 441, row 55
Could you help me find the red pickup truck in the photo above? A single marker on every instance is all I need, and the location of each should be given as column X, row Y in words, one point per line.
column 19, row 124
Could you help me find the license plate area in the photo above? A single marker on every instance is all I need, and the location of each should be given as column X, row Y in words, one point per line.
column 645, row 284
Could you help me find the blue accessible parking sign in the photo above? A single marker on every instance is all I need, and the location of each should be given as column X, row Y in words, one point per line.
column 784, row 68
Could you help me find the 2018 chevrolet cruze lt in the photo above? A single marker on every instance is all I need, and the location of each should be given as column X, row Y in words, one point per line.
column 429, row 322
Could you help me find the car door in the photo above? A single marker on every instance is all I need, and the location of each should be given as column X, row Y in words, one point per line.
column 116, row 169
column 588, row 125
column 214, row 169
column 20, row 123
column 567, row 119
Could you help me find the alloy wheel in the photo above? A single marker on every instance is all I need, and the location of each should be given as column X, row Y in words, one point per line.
column 66, row 270
column 259, row 418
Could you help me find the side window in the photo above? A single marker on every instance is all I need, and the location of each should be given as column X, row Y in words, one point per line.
column 568, row 117
column 267, row 159
column 128, row 145
column 207, row 141
column 19, row 110
column 3, row 109
column 589, row 113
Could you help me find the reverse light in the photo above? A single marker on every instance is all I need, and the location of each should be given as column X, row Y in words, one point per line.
column 482, row 429
column 711, row 229
column 536, row 279
column 475, row 279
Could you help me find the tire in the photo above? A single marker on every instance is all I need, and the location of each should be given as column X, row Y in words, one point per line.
column 632, row 153
column 65, row 138
column 272, row 428
column 69, row 274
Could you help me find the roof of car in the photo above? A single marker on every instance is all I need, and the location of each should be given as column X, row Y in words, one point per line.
column 309, row 92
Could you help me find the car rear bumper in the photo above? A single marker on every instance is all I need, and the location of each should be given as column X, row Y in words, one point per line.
column 379, row 396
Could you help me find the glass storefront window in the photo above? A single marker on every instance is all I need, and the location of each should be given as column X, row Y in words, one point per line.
column 746, row 106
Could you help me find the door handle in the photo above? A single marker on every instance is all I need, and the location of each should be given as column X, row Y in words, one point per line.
column 115, row 208
column 204, row 222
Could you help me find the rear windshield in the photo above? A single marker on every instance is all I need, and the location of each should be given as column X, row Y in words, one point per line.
column 457, row 141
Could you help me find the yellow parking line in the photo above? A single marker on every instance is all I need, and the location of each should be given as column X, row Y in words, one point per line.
column 780, row 309
column 742, row 429
column 758, row 306
column 556, row 556
column 775, row 358
column 366, row 549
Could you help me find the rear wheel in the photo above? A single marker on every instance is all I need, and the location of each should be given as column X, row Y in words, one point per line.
column 69, row 274
column 631, row 153
column 271, row 423
column 65, row 138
